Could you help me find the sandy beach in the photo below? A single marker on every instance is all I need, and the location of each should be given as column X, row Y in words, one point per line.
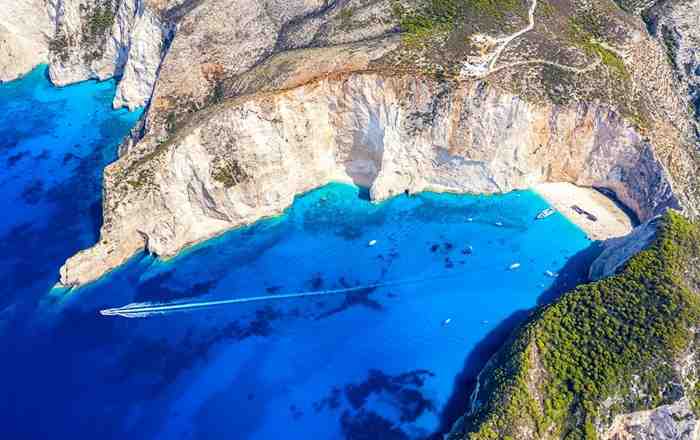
column 611, row 220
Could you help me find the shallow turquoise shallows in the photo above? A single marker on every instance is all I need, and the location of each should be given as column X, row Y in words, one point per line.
column 392, row 362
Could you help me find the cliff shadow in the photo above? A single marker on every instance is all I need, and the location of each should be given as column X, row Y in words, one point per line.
column 574, row 272
column 476, row 360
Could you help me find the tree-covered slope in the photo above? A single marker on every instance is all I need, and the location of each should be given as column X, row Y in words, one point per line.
column 616, row 346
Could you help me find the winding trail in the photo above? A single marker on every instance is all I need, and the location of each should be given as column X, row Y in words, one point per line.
column 503, row 42
column 488, row 67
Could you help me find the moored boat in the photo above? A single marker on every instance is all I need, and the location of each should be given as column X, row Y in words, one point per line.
column 545, row 213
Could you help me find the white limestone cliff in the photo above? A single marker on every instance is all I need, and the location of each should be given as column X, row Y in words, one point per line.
column 676, row 421
column 247, row 159
column 677, row 23
column 25, row 32
column 97, row 40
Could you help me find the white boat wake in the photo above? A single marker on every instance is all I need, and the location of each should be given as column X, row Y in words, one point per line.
column 143, row 310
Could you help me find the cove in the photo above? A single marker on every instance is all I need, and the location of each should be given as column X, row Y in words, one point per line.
column 377, row 363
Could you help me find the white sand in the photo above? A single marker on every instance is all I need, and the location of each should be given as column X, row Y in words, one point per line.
column 612, row 221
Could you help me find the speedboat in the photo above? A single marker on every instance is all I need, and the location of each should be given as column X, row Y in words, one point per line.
column 514, row 266
column 446, row 322
column 545, row 213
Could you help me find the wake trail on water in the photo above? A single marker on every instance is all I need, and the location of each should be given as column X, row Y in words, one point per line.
column 146, row 309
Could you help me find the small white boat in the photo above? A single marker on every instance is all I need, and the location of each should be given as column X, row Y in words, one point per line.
column 446, row 322
column 545, row 213
column 498, row 224
column 372, row 243
column 514, row 266
column 470, row 219
column 551, row 274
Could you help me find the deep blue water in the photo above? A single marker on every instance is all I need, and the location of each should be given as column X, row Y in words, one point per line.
column 379, row 363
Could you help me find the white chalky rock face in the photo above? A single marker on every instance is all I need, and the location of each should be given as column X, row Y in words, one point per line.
column 667, row 422
column 678, row 24
column 147, row 41
column 131, row 47
column 25, row 32
column 247, row 159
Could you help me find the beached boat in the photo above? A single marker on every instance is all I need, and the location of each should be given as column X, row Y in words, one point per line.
column 545, row 213
column 584, row 213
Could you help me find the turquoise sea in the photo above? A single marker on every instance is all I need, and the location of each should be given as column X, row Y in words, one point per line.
column 393, row 362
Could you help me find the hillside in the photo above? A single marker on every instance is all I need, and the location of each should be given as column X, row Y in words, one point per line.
column 593, row 364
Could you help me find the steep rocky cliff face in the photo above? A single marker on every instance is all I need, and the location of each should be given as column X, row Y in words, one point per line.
column 25, row 32
column 247, row 159
column 88, row 39
column 99, row 39
column 328, row 91
column 677, row 24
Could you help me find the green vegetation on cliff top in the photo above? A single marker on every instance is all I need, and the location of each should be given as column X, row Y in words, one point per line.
column 430, row 17
column 614, row 339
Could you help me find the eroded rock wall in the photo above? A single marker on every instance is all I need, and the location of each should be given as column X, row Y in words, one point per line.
column 667, row 422
column 677, row 24
column 246, row 159
column 100, row 39
column 25, row 31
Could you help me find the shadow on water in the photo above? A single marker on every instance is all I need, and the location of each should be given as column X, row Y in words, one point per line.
column 574, row 272
column 465, row 381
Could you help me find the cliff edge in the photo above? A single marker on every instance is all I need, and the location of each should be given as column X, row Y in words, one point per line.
column 394, row 96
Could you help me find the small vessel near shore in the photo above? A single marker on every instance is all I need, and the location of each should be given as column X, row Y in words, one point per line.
column 545, row 213
column 514, row 266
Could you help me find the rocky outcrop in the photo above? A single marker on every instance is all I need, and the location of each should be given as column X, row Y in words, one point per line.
column 100, row 39
column 246, row 159
column 677, row 24
column 677, row 420
column 667, row 422
column 88, row 39
column 220, row 40
column 129, row 39
column 617, row 251
column 25, row 32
